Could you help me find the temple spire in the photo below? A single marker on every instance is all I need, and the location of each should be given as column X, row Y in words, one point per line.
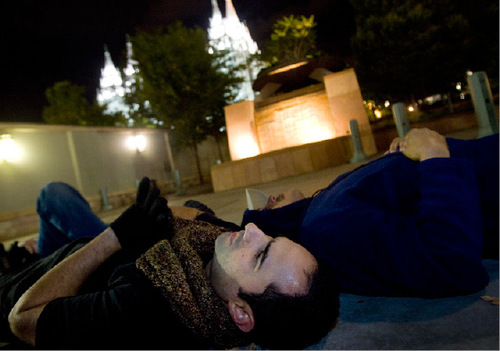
column 229, row 35
column 215, row 9
column 231, row 11
column 111, row 92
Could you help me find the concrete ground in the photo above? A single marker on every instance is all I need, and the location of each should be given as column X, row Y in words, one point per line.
column 229, row 205
column 464, row 322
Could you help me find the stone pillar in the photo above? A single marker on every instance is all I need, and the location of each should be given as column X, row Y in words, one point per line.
column 358, row 155
column 400, row 118
column 241, row 134
column 483, row 103
column 346, row 103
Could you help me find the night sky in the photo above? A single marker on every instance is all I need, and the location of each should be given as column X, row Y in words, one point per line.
column 49, row 41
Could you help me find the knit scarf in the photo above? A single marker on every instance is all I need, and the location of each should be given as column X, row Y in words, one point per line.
column 177, row 268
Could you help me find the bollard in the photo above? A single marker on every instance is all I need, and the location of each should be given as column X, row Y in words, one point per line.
column 483, row 103
column 400, row 118
column 106, row 206
column 178, row 183
column 359, row 155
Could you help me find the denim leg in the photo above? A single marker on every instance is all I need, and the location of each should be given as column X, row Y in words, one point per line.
column 64, row 216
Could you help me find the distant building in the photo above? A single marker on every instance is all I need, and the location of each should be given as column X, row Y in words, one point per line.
column 111, row 91
column 228, row 34
column 131, row 77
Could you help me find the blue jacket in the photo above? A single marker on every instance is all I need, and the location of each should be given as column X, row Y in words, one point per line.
column 399, row 227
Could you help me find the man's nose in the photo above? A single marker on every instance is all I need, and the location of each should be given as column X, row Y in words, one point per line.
column 252, row 234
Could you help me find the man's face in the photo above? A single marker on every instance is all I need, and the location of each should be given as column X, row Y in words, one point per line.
column 283, row 199
column 251, row 260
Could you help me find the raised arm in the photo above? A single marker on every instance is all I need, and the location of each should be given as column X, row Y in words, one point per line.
column 65, row 279
column 139, row 226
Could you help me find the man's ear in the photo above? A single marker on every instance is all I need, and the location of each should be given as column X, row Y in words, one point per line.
column 242, row 315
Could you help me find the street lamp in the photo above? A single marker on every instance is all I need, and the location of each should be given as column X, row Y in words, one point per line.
column 9, row 151
column 137, row 142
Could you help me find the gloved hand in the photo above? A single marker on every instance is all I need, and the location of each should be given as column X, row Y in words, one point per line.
column 146, row 221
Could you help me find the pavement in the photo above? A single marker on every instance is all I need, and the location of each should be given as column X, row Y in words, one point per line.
column 369, row 323
column 464, row 322
column 230, row 204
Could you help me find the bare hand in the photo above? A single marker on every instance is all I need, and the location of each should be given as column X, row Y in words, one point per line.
column 421, row 144
column 31, row 246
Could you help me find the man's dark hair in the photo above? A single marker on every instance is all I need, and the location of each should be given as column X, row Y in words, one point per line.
column 294, row 322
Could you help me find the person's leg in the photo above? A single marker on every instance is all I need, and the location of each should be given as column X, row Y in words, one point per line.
column 484, row 154
column 64, row 217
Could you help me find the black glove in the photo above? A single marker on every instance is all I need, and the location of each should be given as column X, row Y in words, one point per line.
column 146, row 221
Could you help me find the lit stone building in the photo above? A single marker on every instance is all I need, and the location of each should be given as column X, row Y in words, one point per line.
column 111, row 91
column 228, row 34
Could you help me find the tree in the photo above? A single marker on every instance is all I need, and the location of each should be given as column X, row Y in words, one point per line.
column 183, row 82
column 483, row 35
column 293, row 39
column 68, row 105
column 406, row 47
column 140, row 112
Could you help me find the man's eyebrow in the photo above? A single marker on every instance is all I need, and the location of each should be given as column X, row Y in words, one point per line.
column 266, row 251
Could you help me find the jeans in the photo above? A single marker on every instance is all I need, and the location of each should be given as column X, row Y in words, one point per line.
column 65, row 216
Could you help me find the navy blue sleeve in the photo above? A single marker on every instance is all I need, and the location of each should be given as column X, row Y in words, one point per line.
column 283, row 221
column 429, row 245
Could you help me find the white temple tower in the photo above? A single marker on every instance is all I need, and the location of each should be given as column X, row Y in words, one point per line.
column 231, row 35
column 131, row 70
column 111, row 91
column 226, row 34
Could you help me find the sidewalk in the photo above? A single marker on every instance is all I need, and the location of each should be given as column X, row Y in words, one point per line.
column 229, row 205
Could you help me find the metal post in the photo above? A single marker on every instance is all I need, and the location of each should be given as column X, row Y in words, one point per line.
column 400, row 118
column 178, row 183
column 483, row 103
column 359, row 155
column 106, row 206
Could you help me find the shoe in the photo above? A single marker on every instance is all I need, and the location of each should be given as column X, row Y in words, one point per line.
column 4, row 263
column 18, row 256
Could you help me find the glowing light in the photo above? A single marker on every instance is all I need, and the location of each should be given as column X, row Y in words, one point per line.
column 9, row 151
column 378, row 114
column 287, row 68
column 112, row 91
column 459, row 86
column 387, row 103
column 411, row 109
column 245, row 147
column 137, row 142
column 308, row 128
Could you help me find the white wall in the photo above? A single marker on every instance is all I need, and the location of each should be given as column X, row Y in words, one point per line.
column 100, row 158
